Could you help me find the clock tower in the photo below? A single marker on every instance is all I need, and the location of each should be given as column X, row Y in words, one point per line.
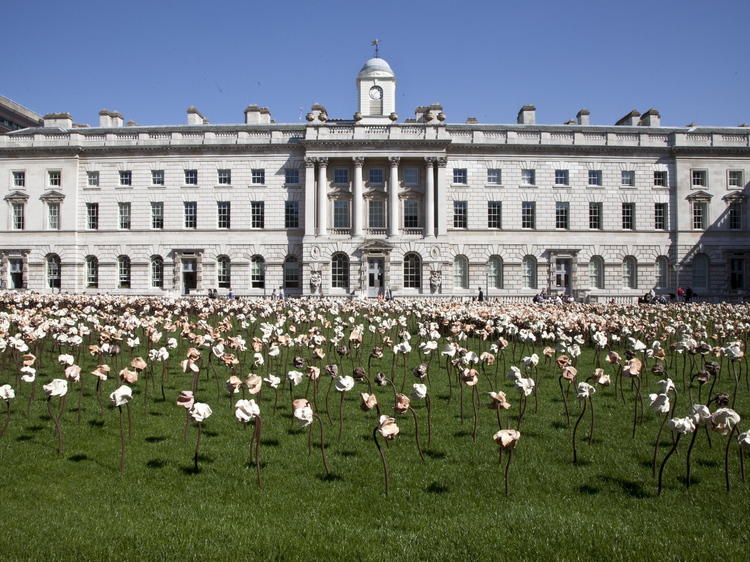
column 376, row 87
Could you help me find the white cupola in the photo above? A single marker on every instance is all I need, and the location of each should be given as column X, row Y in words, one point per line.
column 376, row 87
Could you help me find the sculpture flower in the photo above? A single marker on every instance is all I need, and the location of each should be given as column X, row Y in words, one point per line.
column 506, row 440
column 743, row 440
column 305, row 415
column 584, row 394
column 6, row 395
column 388, row 430
column 58, row 387
column 121, row 397
column 680, row 426
column 343, row 385
column 498, row 401
column 368, row 402
column 247, row 411
column 186, row 399
column 101, row 373
column 200, row 412
column 659, row 403
column 724, row 421
column 526, row 386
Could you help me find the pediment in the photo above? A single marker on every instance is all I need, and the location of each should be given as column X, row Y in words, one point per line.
column 699, row 196
column 17, row 197
column 375, row 246
column 52, row 195
column 734, row 197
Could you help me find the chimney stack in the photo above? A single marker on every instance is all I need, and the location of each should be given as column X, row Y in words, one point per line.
column 583, row 117
column 256, row 115
column 651, row 118
column 629, row 120
column 64, row 120
column 195, row 117
column 527, row 115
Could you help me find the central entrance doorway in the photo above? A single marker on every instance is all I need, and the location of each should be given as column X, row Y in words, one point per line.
column 375, row 270
column 15, row 268
column 189, row 275
column 562, row 275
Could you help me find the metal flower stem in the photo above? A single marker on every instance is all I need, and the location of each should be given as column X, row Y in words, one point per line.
column 197, row 446
column 575, row 430
column 122, row 440
column 328, row 393
column 591, row 432
column 7, row 418
column 656, row 443
column 507, row 468
column 256, row 436
column 726, row 456
column 163, row 371
column 341, row 415
column 416, row 433
column 474, row 401
column 687, row 459
column 428, row 403
column 565, row 400
column 636, row 401
column 382, row 457
column 461, row 401
column 322, row 444
column 130, row 421
column 99, row 393
column 523, row 410
column 664, row 462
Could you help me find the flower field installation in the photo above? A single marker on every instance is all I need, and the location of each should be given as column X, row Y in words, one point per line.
column 265, row 383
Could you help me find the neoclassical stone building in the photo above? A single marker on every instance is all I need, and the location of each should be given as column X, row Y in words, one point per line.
column 355, row 206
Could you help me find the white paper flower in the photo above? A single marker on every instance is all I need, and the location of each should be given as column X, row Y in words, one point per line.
column 585, row 390
column 200, row 411
column 246, row 411
column 659, row 403
column 7, row 392
column 122, row 395
column 419, row 392
column 295, row 376
column 273, row 381
column 682, row 425
column 344, row 384
column 58, row 387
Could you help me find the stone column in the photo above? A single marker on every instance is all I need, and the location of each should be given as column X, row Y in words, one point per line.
column 429, row 197
column 357, row 200
column 442, row 227
column 393, row 197
column 309, row 196
column 322, row 196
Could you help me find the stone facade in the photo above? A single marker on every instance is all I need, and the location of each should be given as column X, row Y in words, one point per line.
column 360, row 206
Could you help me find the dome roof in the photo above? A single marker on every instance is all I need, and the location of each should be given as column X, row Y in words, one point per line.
column 376, row 68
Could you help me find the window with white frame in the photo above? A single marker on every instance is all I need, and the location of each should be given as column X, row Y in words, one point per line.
column 629, row 273
column 460, row 214
column 190, row 214
column 19, row 179
column 376, row 176
column 699, row 178
column 19, row 215
column 341, row 213
column 157, row 272
column 562, row 177
column 528, row 215
column 627, row 178
column 735, row 179
column 596, row 272
column 628, row 216
column 258, row 176
column 562, row 215
column 339, row 271
column 54, row 276
column 191, row 177
column 461, row 272
column 291, row 176
column 123, row 214
column 126, row 178
column 291, row 214
column 55, row 178
column 224, row 272
column 224, row 214
column 660, row 178
column 595, row 178
column 224, row 176
column 734, row 216
column 291, row 273
column 700, row 212
column 662, row 272
column 528, row 176
column 494, row 214
column 460, row 176
column 376, row 213
column 157, row 215
column 123, row 270
column 257, row 214
column 660, row 216
column 495, row 272
column 700, row 271
column 92, row 272
column 92, row 179
column 257, row 272
column 411, row 213
column 529, row 267
column 412, row 271
column 53, row 215
column 595, row 215
column 494, row 176
column 92, row 216
column 157, row 177
column 411, row 176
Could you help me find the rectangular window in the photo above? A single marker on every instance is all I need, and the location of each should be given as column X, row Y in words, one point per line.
column 528, row 214
column 660, row 216
column 19, row 219
column 341, row 176
column 460, row 212
column 628, row 216
column 376, row 176
column 92, row 216
column 376, row 214
column 257, row 214
column 735, row 179
column 126, row 177
column 660, row 178
column 494, row 214
column 700, row 210
column 191, row 177
column 627, row 178
column 157, row 177
column 291, row 214
column 595, row 177
column 157, row 215
column 411, row 176
column 411, row 213
column 291, row 176
column 341, row 214
column 55, row 178
column 595, row 215
column 123, row 213
column 562, row 215
column 92, row 179
column 734, row 219
column 224, row 214
column 699, row 178
column 562, row 177
column 19, row 179
column 528, row 176
column 460, row 176
column 258, row 176
column 190, row 209
column 225, row 177
column 53, row 216
column 494, row 176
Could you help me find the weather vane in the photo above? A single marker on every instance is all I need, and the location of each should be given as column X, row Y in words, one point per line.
column 376, row 44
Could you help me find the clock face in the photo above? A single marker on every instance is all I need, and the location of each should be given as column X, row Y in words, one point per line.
column 376, row 93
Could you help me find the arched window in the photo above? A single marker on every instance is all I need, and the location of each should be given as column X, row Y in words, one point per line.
column 123, row 270
column 461, row 272
column 291, row 273
column 596, row 272
column 224, row 272
column 340, row 271
column 53, row 271
column 157, row 272
column 495, row 266
column 700, row 271
column 257, row 272
column 92, row 272
column 629, row 273
column 662, row 272
column 529, row 272
column 412, row 271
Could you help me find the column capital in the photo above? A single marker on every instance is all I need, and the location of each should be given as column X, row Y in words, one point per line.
column 310, row 162
column 323, row 161
column 394, row 160
column 430, row 161
column 359, row 161
column 442, row 162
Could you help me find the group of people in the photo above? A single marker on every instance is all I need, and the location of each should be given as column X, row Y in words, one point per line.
column 542, row 297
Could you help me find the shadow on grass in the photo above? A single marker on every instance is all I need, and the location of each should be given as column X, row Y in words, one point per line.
column 24, row 438
column 330, row 477
column 707, row 464
column 155, row 439
column 34, row 427
column 154, row 413
column 78, row 458
column 251, row 465
column 270, row 442
column 588, row 490
column 156, row 463
column 436, row 488
column 349, row 453
column 559, row 425
column 630, row 488
column 434, row 454
column 96, row 423
column 462, row 434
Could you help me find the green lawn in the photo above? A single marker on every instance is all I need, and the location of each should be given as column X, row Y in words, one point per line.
column 452, row 506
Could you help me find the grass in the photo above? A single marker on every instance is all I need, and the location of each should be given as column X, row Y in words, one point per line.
column 452, row 506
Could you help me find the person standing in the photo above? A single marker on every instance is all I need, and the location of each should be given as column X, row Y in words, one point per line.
column 480, row 296
column 680, row 294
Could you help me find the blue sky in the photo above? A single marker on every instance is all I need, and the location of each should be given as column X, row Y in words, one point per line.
column 150, row 60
